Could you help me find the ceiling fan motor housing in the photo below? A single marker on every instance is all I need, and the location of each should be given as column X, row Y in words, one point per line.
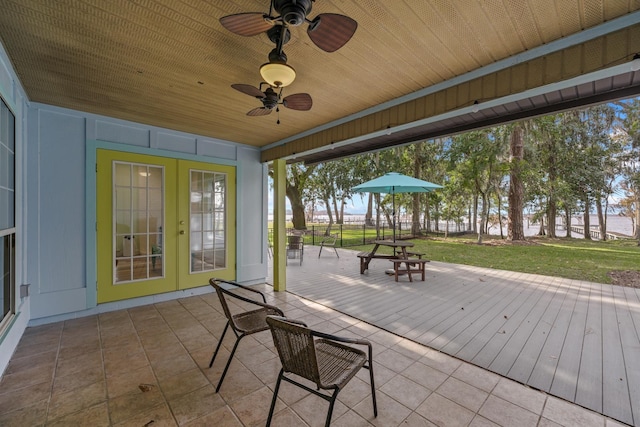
column 270, row 99
column 293, row 12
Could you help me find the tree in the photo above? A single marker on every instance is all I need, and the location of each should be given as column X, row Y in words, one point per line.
column 477, row 157
column 433, row 168
column 630, row 129
column 515, row 229
column 296, row 189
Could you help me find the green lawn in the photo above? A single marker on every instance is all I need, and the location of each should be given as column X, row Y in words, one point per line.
column 570, row 258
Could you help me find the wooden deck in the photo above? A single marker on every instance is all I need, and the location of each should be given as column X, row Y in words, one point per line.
column 576, row 340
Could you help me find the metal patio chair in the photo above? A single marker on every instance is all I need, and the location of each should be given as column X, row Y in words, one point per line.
column 318, row 357
column 242, row 323
column 329, row 241
column 295, row 247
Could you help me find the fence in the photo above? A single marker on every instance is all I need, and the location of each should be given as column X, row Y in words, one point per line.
column 362, row 234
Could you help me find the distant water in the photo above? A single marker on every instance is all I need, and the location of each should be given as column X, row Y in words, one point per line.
column 615, row 223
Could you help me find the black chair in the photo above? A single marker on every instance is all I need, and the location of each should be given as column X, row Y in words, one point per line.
column 317, row 357
column 243, row 323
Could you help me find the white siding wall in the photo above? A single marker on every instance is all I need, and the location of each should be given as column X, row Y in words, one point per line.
column 58, row 143
column 51, row 149
column 14, row 96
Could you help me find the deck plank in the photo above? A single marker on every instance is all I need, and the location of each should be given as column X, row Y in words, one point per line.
column 493, row 308
column 589, row 388
column 544, row 371
column 524, row 364
column 501, row 360
column 630, row 323
column 615, row 382
column 565, row 380
column 496, row 334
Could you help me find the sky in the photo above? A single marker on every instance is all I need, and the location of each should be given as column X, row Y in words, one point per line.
column 357, row 205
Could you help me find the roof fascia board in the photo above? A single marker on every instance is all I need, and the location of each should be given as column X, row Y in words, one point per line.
column 576, row 81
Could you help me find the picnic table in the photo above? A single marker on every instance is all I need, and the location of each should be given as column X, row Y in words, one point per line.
column 399, row 252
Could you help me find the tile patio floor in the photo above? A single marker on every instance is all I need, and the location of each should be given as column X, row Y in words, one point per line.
column 148, row 366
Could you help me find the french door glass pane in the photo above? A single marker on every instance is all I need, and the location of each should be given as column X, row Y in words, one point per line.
column 138, row 206
column 207, row 221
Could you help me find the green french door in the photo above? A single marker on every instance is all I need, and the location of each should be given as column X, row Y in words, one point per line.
column 162, row 224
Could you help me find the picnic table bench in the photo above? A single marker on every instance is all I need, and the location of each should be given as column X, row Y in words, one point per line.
column 411, row 265
column 366, row 257
column 399, row 251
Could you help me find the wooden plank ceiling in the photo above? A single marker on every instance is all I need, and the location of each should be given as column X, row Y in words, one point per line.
column 171, row 64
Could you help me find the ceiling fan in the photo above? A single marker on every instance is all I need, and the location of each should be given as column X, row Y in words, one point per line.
column 271, row 99
column 328, row 31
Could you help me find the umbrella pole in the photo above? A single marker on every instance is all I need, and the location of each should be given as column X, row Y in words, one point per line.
column 393, row 197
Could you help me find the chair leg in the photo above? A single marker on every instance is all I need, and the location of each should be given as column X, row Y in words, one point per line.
column 373, row 387
column 337, row 254
column 331, row 403
column 320, row 251
column 275, row 397
column 226, row 368
column 215, row 353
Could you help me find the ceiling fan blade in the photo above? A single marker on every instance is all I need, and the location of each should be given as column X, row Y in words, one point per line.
column 248, row 89
column 246, row 24
column 330, row 31
column 260, row 111
column 298, row 101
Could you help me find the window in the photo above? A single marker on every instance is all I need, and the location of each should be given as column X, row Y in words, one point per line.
column 7, row 212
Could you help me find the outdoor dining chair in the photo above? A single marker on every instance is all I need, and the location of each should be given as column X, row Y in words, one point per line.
column 295, row 247
column 242, row 323
column 329, row 241
column 318, row 357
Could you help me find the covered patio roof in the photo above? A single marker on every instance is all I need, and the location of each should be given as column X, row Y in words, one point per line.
column 413, row 70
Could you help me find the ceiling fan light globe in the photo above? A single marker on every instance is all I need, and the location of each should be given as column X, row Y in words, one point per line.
column 635, row 63
column 277, row 74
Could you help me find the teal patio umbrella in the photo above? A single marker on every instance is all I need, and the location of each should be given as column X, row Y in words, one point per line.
column 393, row 183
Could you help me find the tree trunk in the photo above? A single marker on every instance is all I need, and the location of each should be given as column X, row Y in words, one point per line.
column 329, row 212
column 637, row 221
column 602, row 223
column 484, row 219
column 297, row 209
column 484, row 215
column 587, row 221
column 541, row 231
column 368, row 218
column 551, row 217
column 427, row 215
column 415, row 216
column 500, row 217
column 475, row 213
column 515, row 226
column 568, row 221
column 342, row 205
